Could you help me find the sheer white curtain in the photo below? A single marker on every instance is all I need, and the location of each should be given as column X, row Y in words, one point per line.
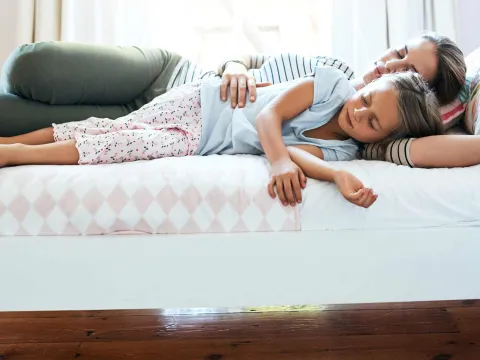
column 24, row 21
column 203, row 30
column 210, row 30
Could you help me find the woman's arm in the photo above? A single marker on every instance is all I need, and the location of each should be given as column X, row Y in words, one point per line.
column 235, row 76
column 446, row 151
column 440, row 151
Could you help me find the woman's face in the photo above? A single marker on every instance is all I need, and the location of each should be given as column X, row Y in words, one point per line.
column 417, row 55
column 367, row 116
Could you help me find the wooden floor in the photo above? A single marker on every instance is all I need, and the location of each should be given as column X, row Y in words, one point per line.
column 410, row 331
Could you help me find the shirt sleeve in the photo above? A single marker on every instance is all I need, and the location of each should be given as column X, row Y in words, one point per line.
column 397, row 152
column 338, row 155
column 330, row 84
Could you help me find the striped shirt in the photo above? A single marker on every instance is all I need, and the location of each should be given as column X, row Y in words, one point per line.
column 274, row 69
column 290, row 66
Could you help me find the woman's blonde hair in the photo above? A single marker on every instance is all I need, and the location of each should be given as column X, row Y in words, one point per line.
column 417, row 105
column 451, row 72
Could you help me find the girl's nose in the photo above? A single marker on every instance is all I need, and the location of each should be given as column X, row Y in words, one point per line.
column 359, row 114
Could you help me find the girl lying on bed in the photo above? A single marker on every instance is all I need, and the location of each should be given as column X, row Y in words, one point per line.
column 297, row 125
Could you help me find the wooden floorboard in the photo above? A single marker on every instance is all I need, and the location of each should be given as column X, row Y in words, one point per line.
column 425, row 331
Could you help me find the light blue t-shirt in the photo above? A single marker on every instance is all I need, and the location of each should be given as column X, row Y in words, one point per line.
column 233, row 131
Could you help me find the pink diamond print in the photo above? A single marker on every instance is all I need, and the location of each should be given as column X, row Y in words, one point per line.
column 167, row 228
column 92, row 200
column 190, row 227
column 22, row 232
column 215, row 227
column 20, row 207
column 216, row 199
column 44, row 204
column 71, row 229
column 289, row 225
column 142, row 199
column 94, row 229
column 240, row 227
column 143, row 226
column 167, row 199
column 117, row 199
column 240, row 200
column 46, row 230
column 119, row 225
column 23, row 178
column 69, row 202
column 264, row 226
column 263, row 200
column 191, row 198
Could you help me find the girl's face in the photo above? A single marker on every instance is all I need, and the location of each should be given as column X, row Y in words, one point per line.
column 367, row 116
column 418, row 55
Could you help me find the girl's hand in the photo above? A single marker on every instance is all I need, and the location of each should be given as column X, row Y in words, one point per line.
column 289, row 180
column 353, row 190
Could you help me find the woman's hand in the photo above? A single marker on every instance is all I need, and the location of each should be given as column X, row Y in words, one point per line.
column 289, row 180
column 353, row 190
column 237, row 78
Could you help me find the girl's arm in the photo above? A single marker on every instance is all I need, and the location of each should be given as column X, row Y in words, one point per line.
column 285, row 106
column 309, row 159
column 288, row 170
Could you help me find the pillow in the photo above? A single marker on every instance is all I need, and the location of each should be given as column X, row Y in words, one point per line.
column 472, row 112
column 453, row 112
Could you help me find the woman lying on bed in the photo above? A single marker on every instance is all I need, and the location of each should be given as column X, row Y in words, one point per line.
column 298, row 125
column 435, row 57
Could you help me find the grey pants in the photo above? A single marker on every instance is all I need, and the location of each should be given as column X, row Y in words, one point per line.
column 58, row 82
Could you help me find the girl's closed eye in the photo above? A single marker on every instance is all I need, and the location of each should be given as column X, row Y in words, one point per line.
column 370, row 119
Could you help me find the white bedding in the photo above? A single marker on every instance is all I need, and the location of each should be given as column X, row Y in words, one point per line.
column 223, row 194
column 407, row 198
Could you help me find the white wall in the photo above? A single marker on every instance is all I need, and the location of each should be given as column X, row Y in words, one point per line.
column 468, row 36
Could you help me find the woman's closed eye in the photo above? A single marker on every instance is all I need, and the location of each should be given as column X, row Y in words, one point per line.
column 364, row 100
column 398, row 54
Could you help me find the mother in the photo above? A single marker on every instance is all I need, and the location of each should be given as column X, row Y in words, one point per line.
column 58, row 82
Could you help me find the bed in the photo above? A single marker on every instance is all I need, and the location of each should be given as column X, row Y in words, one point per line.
column 203, row 232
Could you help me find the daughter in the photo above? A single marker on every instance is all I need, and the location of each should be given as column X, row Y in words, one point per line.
column 297, row 125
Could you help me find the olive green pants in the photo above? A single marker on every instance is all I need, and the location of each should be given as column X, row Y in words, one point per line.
column 58, row 82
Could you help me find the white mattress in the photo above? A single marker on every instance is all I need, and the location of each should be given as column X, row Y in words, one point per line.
column 407, row 198
column 214, row 194
column 223, row 194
